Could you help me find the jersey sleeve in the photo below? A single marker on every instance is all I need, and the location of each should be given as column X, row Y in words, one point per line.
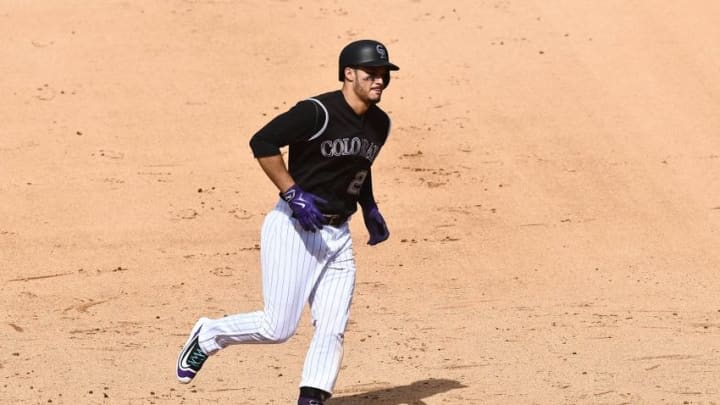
column 366, row 197
column 299, row 123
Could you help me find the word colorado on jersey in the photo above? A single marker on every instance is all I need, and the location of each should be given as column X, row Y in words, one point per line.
column 349, row 147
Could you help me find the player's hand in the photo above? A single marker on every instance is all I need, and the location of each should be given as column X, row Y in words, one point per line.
column 375, row 224
column 304, row 208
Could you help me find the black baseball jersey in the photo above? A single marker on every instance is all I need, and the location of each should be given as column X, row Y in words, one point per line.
column 330, row 148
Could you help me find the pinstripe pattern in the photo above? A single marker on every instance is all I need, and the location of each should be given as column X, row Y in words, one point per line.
column 330, row 308
column 298, row 267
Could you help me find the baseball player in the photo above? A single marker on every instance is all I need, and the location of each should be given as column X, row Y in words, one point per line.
column 306, row 248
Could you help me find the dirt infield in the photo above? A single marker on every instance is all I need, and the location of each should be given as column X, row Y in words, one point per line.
column 551, row 184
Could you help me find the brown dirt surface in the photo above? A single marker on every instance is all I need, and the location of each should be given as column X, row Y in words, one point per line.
column 552, row 187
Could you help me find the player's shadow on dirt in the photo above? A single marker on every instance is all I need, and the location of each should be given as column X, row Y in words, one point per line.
column 407, row 394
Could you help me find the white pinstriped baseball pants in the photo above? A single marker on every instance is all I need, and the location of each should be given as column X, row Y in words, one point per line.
column 297, row 267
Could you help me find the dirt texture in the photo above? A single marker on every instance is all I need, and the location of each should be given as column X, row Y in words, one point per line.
column 551, row 184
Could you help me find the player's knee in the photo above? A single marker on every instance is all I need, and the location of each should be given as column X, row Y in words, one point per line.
column 280, row 337
column 330, row 336
column 276, row 334
column 336, row 332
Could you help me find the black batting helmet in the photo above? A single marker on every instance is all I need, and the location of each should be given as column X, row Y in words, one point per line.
column 365, row 52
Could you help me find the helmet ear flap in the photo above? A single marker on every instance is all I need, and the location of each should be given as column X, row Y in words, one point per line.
column 386, row 78
column 341, row 72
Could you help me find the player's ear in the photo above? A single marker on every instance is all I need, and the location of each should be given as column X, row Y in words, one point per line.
column 349, row 74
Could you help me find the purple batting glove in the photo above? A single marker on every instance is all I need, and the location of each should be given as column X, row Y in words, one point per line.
column 375, row 224
column 304, row 208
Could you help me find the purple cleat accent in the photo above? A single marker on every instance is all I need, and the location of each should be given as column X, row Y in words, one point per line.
column 191, row 357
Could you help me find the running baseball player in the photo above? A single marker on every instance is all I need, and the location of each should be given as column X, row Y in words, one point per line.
column 306, row 247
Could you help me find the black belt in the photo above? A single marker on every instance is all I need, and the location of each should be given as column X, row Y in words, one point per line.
column 335, row 219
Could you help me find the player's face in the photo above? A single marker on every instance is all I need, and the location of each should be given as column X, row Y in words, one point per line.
column 369, row 83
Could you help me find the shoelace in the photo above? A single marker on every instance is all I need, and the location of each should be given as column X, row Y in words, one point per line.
column 196, row 358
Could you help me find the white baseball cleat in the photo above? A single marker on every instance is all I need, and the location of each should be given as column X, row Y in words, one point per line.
column 191, row 357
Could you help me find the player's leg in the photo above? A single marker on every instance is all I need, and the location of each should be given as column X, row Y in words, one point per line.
column 290, row 260
column 330, row 310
